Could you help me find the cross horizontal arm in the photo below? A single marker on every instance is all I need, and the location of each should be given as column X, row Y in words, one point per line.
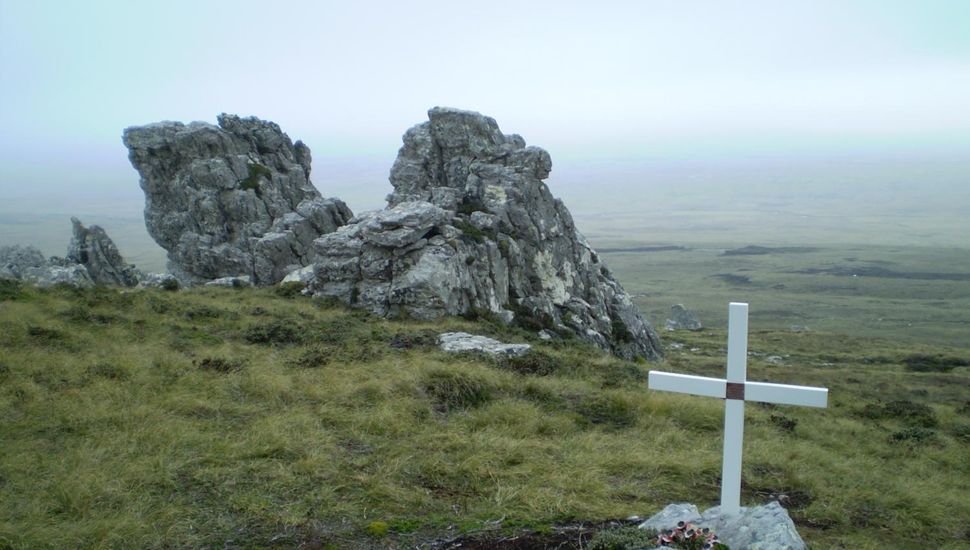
column 784, row 394
column 687, row 383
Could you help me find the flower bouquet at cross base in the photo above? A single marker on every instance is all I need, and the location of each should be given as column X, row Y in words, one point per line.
column 686, row 536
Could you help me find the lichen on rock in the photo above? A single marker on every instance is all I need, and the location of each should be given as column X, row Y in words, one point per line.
column 471, row 226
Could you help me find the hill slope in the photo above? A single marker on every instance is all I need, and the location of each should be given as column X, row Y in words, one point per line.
column 247, row 418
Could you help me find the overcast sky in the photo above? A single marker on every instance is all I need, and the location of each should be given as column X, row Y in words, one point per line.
column 588, row 81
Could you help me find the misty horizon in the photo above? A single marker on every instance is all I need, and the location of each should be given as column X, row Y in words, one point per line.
column 854, row 109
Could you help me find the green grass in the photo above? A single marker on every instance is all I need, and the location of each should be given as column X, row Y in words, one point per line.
column 219, row 417
column 784, row 292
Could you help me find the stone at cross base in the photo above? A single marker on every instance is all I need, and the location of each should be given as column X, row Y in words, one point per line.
column 765, row 527
column 233, row 200
column 471, row 227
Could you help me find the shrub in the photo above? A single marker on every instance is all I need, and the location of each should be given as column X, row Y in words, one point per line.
column 171, row 285
column 453, row 389
column 621, row 373
column 468, row 206
column 621, row 332
column 10, row 289
column 784, row 423
column 421, row 339
column 110, row 371
column 219, row 364
column 80, row 313
column 377, row 529
column 533, row 321
column 961, row 432
column 915, row 414
column 47, row 336
column 256, row 171
column 912, row 434
column 290, row 289
column 203, row 312
column 607, row 409
column 470, row 231
column 933, row 363
column 313, row 357
column 275, row 332
column 623, row 538
column 535, row 363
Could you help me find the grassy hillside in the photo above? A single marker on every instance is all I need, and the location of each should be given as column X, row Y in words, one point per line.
column 222, row 418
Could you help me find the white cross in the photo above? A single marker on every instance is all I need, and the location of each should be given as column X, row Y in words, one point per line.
column 735, row 391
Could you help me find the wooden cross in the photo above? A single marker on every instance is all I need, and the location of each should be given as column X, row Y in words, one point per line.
column 735, row 391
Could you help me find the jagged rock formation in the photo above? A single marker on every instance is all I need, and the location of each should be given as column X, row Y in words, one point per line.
column 470, row 226
column 233, row 200
column 682, row 319
column 26, row 263
column 92, row 248
column 92, row 259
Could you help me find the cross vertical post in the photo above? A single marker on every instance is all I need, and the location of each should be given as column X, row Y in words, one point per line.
column 735, row 390
column 737, row 367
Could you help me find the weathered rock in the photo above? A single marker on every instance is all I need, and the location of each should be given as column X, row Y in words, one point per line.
column 471, row 226
column 765, row 527
column 92, row 248
column 17, row 261
column 682, row 319
column 233, row 200
column 457, row 342
column 231, row 282
column 28, row 264
column 157, row 280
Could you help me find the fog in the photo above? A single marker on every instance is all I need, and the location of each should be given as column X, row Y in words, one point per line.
column 647, row 108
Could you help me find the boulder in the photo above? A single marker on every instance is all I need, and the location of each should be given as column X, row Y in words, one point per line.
column 26, row 263
column 92, row 248
column 682, row 319
column 457, row 342
column 158, row 280
column 17, row 261
column 470, row 226
column 233, row 200
column 765, row 527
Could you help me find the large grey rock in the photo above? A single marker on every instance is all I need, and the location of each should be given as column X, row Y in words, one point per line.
column 765, row 527
column 92, row 248
column 16, row 261
column 471, row 226
column 682, row 319
column 28, row 264
column 458, row 342
column 233, row 200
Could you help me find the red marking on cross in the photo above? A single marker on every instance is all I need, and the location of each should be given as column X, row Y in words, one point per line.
column 735, row 390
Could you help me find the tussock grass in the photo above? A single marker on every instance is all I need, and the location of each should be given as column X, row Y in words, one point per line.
column 226, row 418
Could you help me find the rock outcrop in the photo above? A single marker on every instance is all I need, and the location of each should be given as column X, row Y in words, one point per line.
column 92, row 248
column 26, row 263
column 233, row 200
column 682, row 319
column 470, row 226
